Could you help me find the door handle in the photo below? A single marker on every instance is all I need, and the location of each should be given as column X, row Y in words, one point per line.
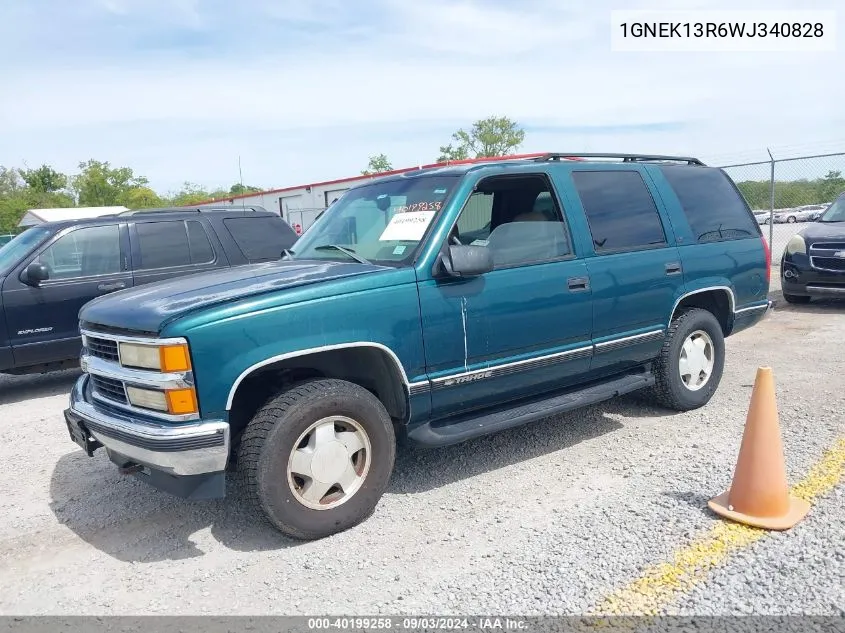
column 673, row 268
column 578, row 284
column 115, row 286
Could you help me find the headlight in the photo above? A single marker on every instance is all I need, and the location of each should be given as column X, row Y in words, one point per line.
column 173, row 401
column 796, row 245
column 166, row 358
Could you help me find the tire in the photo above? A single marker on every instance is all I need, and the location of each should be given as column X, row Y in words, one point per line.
column 268, row 478
column 790, row 219
column 796, row 298
column 670, row 390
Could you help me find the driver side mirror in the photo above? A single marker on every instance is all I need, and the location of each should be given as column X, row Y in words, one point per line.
column 35, row 273
column 467, row 261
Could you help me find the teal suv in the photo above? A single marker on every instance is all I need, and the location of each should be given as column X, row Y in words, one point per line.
column 430, row 307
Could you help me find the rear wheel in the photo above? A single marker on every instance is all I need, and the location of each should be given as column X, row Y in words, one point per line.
column 690, row 365
column 796, row 298
column 316, row 459
column 791, row 219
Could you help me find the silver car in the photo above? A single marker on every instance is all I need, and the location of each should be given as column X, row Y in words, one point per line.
column 806, row 213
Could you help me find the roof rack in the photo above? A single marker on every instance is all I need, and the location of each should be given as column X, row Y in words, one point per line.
column 158, row 210
column 626, row 158
column 198, row 209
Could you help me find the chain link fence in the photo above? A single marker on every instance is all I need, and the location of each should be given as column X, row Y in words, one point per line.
column 787, row 193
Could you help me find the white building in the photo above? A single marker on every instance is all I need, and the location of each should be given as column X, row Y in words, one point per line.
column 37, row 216
column 300, row 205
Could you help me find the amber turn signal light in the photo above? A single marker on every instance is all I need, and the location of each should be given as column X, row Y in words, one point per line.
column 181, row 401
column 174, row 358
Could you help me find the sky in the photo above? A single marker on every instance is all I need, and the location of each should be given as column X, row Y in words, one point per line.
column 304, row 91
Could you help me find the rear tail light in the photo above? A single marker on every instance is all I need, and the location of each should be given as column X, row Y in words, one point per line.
column 768, row 252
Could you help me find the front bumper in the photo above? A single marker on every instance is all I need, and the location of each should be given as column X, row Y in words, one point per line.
column 181, row 450
column 798, row 278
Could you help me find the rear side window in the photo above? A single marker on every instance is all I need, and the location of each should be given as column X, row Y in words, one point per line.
column 201, row 251
column 714, row 208
column 163, row 244
column 619, row 209
column 262, row 237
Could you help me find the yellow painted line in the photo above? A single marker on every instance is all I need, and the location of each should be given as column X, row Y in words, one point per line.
column 660, row 584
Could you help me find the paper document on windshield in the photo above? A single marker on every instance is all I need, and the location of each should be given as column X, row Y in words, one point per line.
column 407, row 226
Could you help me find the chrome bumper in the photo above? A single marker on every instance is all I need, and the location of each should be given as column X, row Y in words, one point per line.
column 182, row 449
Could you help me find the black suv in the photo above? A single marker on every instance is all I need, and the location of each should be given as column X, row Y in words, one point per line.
column 48, row 272
column 813, row 263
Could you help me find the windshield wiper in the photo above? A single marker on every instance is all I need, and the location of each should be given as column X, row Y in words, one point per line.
column 344, row 250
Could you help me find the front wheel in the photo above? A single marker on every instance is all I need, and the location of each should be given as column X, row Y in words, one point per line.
column 791, row 219
column 317, row 458
column 690, row 365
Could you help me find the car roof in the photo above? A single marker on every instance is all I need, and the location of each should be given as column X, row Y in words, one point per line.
column 165, row 213
column 582, row 159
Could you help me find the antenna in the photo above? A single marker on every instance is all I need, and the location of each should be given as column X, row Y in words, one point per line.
column 241, row 176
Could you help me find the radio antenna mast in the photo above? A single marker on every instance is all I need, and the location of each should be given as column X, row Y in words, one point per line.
column 241, row 176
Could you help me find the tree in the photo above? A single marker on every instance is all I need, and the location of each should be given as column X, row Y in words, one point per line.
column 493, row 136
column 190, row 194
column 24, row 189
column 377, row 164
column 831, row 186
column 100, row 185
column 45, row 179
column 10, row 181
column 141, row 198
column 238, row 189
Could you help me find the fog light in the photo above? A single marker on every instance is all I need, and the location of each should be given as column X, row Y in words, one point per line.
column 146, row 398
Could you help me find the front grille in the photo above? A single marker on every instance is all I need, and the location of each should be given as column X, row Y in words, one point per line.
column 103, row 348
column 828, row 263
column 109, row 388
column 824, row 246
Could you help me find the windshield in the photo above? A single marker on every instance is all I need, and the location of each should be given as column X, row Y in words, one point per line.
column 380, row 223
column 835, row 212
column 16, row 249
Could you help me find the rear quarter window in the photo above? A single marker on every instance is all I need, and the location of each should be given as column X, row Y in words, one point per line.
column 713, row 206
column 262, row 237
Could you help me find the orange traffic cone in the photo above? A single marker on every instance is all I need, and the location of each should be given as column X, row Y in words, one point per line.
column 759, row 495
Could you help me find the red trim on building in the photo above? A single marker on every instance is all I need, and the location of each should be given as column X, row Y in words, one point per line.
column 467, row 161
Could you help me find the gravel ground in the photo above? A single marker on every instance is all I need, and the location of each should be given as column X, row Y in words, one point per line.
column 549, row 518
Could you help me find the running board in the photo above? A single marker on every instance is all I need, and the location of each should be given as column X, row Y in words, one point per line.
column 460, row 431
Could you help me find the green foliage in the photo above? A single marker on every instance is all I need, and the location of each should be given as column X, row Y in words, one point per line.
column 45, row 179
column 493, row 136
column 100, row 185
column 238, row 189
column 10, row 182
column 141, row 198
column 24, row 189
column 377, row 164
column 793, row 193
column 96, row 184
column 189, row 194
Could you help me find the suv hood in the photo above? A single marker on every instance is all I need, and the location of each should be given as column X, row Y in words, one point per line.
column 147, row 308
column 823, row 231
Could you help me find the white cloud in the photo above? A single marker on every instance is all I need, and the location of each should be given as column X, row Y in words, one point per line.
column 307, row 102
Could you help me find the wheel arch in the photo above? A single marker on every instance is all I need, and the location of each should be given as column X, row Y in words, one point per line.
column 382, row 374
column 719, row 300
